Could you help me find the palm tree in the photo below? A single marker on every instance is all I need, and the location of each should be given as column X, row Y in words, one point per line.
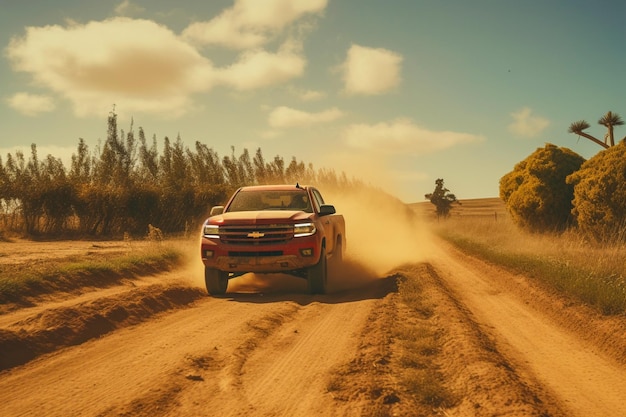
column 579, row 127
column 609, row 120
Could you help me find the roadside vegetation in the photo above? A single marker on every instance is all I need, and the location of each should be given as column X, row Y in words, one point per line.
column 536, row 193
column 19, row 282
column 594, row 274
column 555, row 190
column 420, row 343
column 128, row 184
column 562, row 220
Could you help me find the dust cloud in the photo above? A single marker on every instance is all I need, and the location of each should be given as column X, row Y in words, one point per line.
column 192, row 268
column 382, row 232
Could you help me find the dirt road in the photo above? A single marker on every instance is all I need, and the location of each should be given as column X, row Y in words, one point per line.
column 569, row 356
column 268, row 349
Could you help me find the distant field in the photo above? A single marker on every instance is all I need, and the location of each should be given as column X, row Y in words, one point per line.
column 477, row 207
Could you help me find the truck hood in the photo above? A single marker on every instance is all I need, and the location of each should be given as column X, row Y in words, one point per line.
column 261, row 217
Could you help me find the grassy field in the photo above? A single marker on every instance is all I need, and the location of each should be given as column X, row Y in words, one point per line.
column 93, row 268
column 595, row 275
column 477, row 209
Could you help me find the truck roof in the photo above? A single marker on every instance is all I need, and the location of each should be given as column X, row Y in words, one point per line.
column 278, row 187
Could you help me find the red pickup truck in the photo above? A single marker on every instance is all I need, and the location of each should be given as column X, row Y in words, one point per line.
column 272, row 229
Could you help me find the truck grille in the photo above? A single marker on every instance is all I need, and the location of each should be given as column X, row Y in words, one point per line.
column 257, row 254
column 256, row 235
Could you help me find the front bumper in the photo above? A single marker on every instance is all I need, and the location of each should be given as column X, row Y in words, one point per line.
column 298, row 253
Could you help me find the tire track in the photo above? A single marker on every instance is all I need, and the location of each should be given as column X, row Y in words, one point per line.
column 473, row 366
column 545, row 355
column 296, row 361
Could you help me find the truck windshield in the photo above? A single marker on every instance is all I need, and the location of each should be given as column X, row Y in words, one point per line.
column 253, row 200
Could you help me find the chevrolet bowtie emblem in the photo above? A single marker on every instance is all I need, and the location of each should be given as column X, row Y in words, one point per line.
column 256, row 235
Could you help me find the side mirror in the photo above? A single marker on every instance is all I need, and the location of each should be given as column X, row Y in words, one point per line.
column 217, row 210
column 327, row 209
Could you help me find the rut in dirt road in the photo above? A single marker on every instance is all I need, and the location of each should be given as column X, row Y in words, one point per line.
column 481, row 380
column 24, row 340
column 241, row 354
column 561, row 366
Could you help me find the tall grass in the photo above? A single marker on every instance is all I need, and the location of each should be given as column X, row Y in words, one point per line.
column 593, row 274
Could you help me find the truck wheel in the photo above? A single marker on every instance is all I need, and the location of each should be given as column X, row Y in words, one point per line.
column 216, row 281
column 318, row 275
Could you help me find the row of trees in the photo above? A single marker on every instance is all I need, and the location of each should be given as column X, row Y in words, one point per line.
column 126, row 185
column 555, row 189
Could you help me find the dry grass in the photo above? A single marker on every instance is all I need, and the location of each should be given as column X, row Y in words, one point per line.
column 419, row 345
column 18, row 282
column 593, row 274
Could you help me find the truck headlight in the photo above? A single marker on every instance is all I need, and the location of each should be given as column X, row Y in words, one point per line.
column 211, row 230
column 303, row 229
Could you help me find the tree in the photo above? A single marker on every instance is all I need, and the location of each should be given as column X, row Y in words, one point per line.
column 234, row 173
column 205, row 166
column 80, row 171
column 102, row 203
column 536, row 193
column 22, row 187
column 148, row 170
column 276, row 170
column 442, row 199
column 296, row 172
column 600, row 195
column 57, row 195
column 177, row 199
column 609, row 120
column 260, row 168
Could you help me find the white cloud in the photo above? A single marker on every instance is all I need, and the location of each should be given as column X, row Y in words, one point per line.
column 285, row 117
column 136, row 64
column 371, row 71
column 251, row 23
column 139, row 65
column 31, row 104
column 306, row 95
column 311, row 95
column 526, row 124
column 259, row 68
column 403, row 136
column 128, row 8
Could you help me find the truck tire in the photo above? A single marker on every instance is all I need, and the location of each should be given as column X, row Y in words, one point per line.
column 318, row 275
column 216, row 281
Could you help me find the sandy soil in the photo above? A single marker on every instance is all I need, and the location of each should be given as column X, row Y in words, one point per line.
column 160, row 346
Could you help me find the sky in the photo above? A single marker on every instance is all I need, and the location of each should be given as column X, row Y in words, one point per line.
column 397, row 93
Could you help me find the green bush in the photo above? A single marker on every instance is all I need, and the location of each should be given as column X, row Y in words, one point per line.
column 600, row 195
column 536, row 193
